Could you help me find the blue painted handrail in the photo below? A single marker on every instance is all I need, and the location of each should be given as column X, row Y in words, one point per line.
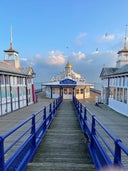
column 104, row 147
column 18, row 146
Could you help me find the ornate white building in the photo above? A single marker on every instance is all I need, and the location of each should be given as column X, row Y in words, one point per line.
column 115, row 83
column 67, row 84
column 16, row 82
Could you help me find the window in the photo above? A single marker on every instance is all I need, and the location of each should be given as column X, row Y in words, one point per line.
column 7, row 80
column 77, row 91
column 125, row 95
column 116, row 81
column 3, row 92
column 87, row 90
column 123, row 81
column 112, row 92
column 21, row 80
column 14, row 92
column 70, row 91
column 126, row 80
column 18, row 80
column 14, row 80
column 8, row 91
column 82, row 91
column 65, row 91
column 55, row 90
column 120, row 94
column 1, row 79
column 29, row 80
column 119, row 81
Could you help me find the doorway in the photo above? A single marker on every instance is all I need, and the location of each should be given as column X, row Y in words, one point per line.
column 67, row 93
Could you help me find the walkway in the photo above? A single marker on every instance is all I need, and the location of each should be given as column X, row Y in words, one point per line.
column 112, row 120
column 11, row 120
column 64, row 146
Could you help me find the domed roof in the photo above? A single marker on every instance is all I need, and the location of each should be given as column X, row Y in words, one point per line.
column 68, row 65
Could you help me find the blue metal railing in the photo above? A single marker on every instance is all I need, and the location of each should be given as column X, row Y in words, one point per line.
column 104, row 147
column 18, row 146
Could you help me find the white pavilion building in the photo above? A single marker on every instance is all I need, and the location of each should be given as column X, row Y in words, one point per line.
column 68, row 84
column 115, row 83
column 16, row 83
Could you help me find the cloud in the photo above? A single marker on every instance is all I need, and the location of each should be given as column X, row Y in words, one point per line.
column 99, row 59
column 79, row 55
column 79, row 39
column 106, row 37
column 89, row 65
column 90, row 60
column 96, row 52
column 23, row 59
column 38, row 56
column 55, row 58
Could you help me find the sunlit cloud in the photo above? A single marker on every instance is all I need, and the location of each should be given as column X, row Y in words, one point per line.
column 55, row 58
column 89, row 65
column 79, row 39
column 95, row 52
column 23, row 59
column 38, row 56
column 106, row 37
column 90, row 61
column 79, row 55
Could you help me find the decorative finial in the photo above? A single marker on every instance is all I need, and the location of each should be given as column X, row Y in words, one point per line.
column 30, row 64
column 125, row 38
column 11, row 37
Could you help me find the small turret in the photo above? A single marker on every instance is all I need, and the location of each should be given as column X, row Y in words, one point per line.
column 123, row 54
column 68, row 69
column 11, row 55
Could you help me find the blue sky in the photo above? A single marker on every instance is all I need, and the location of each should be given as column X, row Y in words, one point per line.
column 49, row 32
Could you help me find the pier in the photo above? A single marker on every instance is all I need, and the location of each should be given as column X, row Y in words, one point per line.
column 61, row 144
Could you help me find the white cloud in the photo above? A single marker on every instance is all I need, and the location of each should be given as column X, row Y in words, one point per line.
column 23, row 59
column 79, row 55
column 95, row 52
column 38, row 56
column 90, row 61
column 55, row 58
column 88, row 65
column 106, row 37
column 79, row 38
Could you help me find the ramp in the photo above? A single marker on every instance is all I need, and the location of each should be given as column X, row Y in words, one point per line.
column 64, row 147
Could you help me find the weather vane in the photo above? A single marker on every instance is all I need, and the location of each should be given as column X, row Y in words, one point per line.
column 125, row 39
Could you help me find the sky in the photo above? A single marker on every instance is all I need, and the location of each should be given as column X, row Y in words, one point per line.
column 48, row 33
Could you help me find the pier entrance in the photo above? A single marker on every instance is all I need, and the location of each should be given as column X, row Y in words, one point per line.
column 67, row 93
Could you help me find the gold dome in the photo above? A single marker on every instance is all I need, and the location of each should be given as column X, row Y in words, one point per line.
column 68, row 65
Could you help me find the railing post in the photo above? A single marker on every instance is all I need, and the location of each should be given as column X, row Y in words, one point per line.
column 60, row 100
column 33, row 131
column 93, row 130
column 93, row 125
column 80, row 113
column 80, row 108
column 50, row 108
column 84, row 121
column 85, row 114
column 44, row 118
column 117, row 154
column 1, row 154
column 56, row 104
column 50, row 111
column 53, row 107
